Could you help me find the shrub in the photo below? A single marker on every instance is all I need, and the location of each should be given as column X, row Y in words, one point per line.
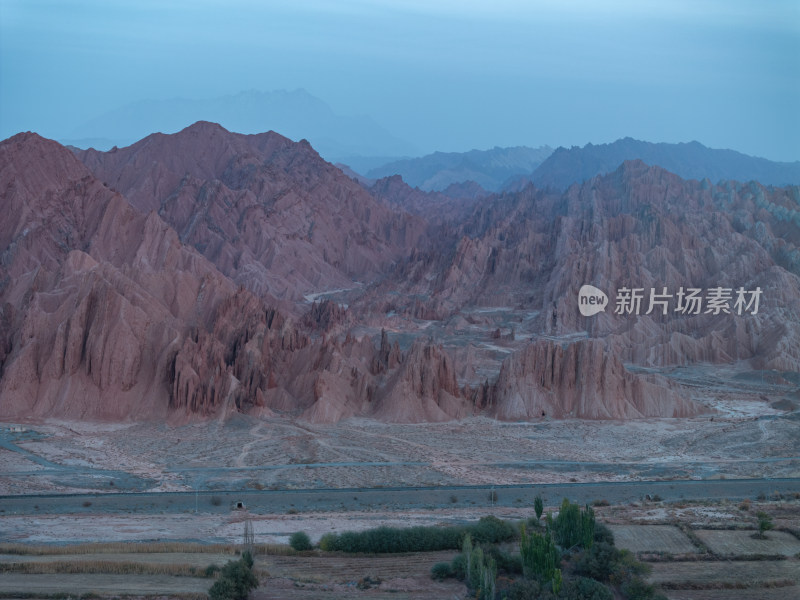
column 211, row 570
column 603, row 534
column 300, row 541
column 606, row 563
column 573, row 526
column 583, row 588
column 459, row 567
column 532, row 523
column 441, row 571
column 491, row 530
column 627, row 567
column 235, row 581
column 327, row 542
column 418, row 539
column 528, row 589
column 637, row 589
column 599, row 562
column 506, row 562
column 538, row 506
column 540, row 557
column 764, row 523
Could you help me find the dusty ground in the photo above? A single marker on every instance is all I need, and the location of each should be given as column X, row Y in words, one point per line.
column 110, row 481
column 744, row 439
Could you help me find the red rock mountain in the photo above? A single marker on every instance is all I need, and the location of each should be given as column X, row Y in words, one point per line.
column 95, row 294
column 107, row 315
column 453, row 205
column 639, row 227
column 179, row 295
column 268, row 212
column 580, row 379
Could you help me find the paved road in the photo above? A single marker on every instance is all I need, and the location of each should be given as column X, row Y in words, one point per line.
column 390, row 499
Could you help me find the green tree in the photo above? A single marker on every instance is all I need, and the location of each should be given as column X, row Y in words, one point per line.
column 488, row 579
column 588, row 525
column 638, row 589
column 235, row 581
column 584, row 588
column 557, row 581
column 764, row 524
column 476, row 570
column 539, row 555
column 300, row 541
column 573, row 526
column 442, row 570
column 538, row 506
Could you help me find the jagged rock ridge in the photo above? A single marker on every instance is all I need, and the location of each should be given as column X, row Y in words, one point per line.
column 268, row 212
column 182, row 297
column 106, row 314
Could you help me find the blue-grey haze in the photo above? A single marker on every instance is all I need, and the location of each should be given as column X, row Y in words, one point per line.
column 440, row 75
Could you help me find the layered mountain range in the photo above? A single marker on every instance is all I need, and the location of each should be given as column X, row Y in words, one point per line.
column 204, row 272
column 489, row 169
column 295, row 113
column 691, row 160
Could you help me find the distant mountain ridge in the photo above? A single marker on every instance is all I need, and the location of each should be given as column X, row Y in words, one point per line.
column 296, row 114
column 488, row 168
column 690, row 160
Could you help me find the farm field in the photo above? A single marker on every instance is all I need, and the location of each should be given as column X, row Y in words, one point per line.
column 781, row 593
column 154, row 559
column 101, row 584
column 728, row 572
column 402, row 576
column 731, row 543
column 284, row 574
column 345, row 569
column 405, row 576
column 652, row 538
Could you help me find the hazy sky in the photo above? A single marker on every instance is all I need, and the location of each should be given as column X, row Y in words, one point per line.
column 447, row 75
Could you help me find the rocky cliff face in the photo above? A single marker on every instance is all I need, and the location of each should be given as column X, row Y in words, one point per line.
column 451, row 206
column 107, row 315
column 95, row 295
column 169, row 300
column 268, row 212
column 640, row 227
column 646, row 228
column 423, row 388
column 580, row 380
